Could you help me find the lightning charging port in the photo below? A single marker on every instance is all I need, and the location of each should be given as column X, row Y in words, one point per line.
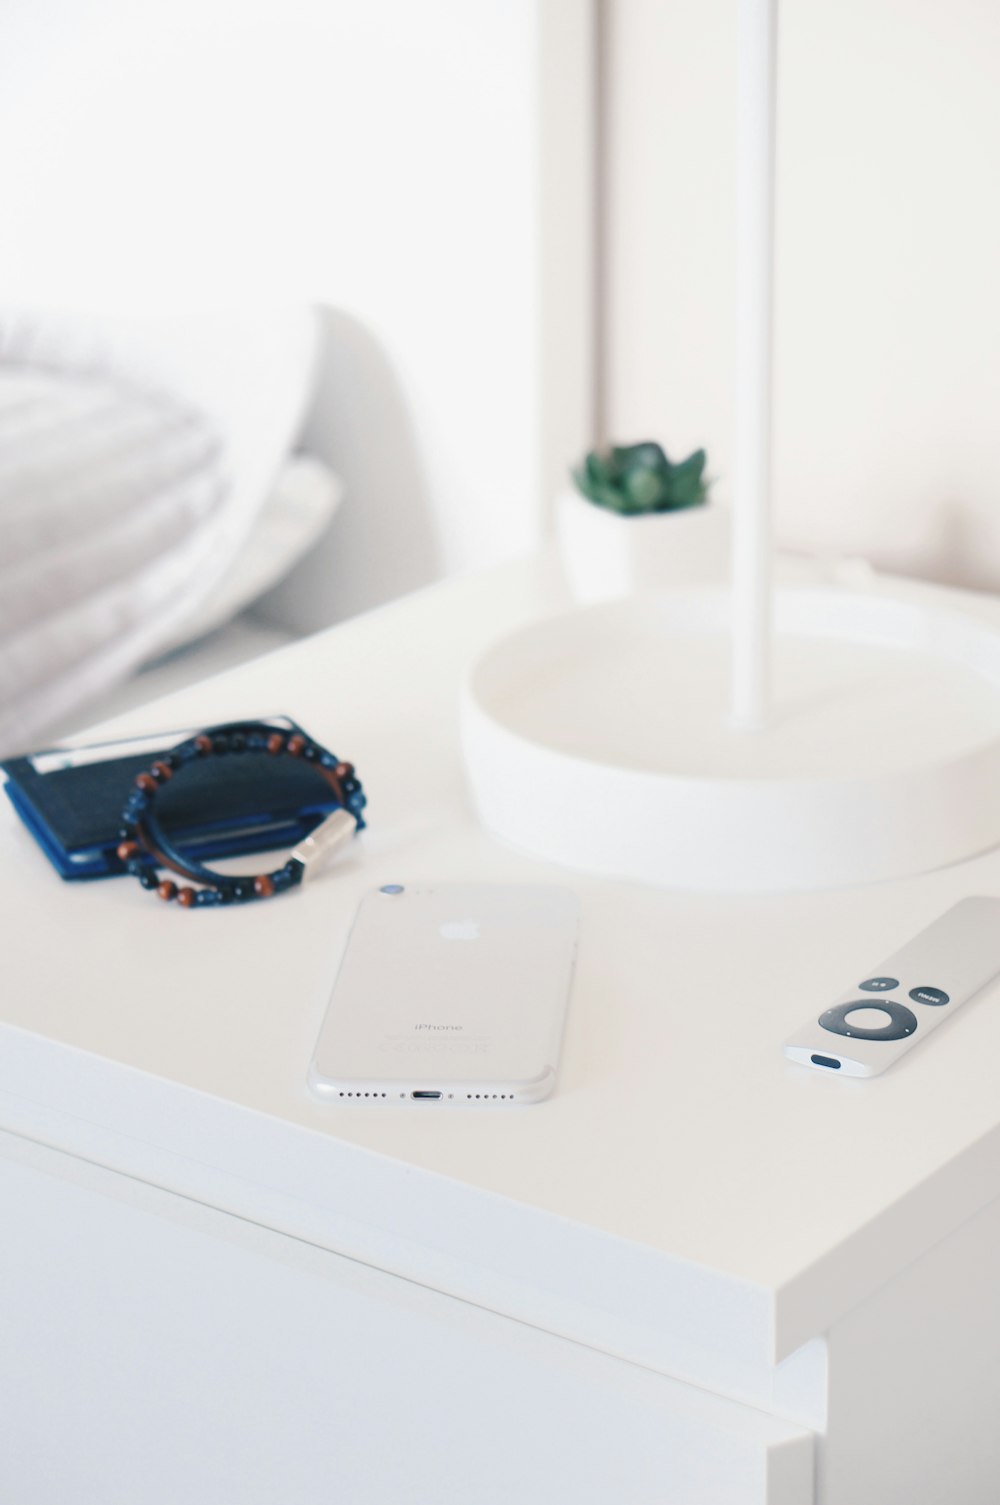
column 423, row 1096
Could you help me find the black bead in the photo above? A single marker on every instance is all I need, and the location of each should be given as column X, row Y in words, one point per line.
column 310, row 753
column 220, row 744
column 238, row 742
column 149, row 880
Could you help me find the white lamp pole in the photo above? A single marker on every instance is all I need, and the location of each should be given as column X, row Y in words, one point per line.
column 751, row 569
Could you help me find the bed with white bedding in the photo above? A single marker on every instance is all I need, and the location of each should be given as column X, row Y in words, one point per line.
column 149, row 489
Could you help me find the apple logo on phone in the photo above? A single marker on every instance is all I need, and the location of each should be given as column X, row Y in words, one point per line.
column 460, row 930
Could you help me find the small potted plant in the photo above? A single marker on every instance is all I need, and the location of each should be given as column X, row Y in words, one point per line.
column 638, row 520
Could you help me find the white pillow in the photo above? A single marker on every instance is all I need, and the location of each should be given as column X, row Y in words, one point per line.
column 302, row 501
column 126, row 512
column 251, row 372
column 112, row 505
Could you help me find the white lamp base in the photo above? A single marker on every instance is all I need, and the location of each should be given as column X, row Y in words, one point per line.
column 600, row 739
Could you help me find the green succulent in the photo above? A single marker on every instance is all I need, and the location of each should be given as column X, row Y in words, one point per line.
column 638, row 478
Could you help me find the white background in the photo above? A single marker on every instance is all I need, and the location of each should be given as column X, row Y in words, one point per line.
column 888, row 264
column 379, row 158
column 384, row 159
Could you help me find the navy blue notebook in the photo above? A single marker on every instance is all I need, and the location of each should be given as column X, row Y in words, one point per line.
column 71, row 800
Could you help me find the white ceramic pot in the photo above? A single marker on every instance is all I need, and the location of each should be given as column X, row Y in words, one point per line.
column 605, row 555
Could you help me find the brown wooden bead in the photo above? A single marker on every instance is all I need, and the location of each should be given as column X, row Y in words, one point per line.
column 185, row 896
column 295, row 745
column 167, row 890
column 203, row 744
column 275, row 743
column 344, row 770
column 161, row 772
column 128, row 849
column 263, row 887
column 146, row 782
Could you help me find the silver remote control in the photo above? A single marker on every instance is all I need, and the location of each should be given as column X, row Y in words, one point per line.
column 897, row 1004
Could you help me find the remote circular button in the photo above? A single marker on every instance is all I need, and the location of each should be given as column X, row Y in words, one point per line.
column 934, row 996
column 879, row 985
column 899, row 1021
column 868, row 1018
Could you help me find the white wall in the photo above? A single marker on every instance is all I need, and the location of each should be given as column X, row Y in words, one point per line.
column 888, row 264
column 381, row 158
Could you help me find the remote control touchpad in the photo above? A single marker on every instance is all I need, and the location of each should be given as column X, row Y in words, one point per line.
column 862, row 1020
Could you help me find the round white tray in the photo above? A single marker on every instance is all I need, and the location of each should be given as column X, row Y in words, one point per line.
column 600, row 739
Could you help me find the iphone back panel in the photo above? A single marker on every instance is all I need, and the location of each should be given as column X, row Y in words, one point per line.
column 449, row 994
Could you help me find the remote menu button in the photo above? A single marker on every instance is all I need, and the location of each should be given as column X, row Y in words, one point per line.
column 879, row 984
column 934, row 996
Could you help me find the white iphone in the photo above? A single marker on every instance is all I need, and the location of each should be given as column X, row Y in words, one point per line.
column 450, row 994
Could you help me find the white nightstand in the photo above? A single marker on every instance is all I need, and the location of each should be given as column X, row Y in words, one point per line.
column 693, row 1275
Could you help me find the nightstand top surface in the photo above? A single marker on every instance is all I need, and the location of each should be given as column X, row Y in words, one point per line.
column 677, row 1125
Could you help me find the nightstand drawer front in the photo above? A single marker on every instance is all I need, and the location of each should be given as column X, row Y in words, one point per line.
column 159, row 1350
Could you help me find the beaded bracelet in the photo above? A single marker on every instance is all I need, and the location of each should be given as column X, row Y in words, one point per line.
column 145, row 846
